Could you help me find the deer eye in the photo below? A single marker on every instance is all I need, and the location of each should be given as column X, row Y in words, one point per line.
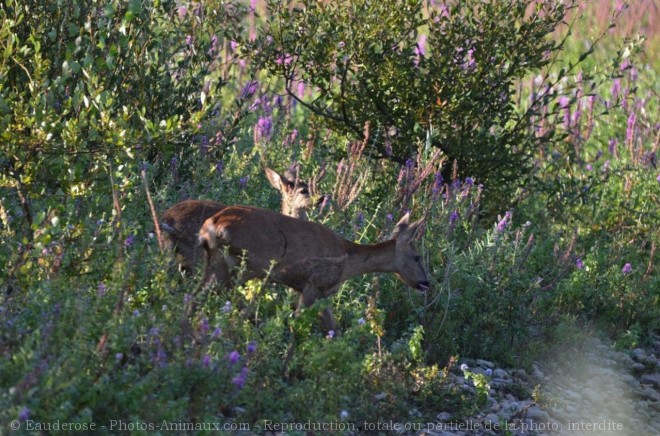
column 304, row 191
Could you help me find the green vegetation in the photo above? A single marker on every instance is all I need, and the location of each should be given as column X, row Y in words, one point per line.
column 532, row 152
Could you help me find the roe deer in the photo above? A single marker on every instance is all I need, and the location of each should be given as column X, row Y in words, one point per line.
column 306, row 256
column 181, row 222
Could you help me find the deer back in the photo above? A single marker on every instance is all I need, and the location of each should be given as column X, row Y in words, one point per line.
column 181, row 224
column 267, row 237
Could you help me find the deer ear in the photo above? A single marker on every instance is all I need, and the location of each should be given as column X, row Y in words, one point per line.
column 407, row 232
column 275, row 179
column 291, row 174
column 416, row 229
column 401, row 226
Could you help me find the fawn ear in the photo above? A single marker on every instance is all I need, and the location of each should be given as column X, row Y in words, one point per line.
column 291, row 174
column 401, row 226
column 405, row 231
column 276, row 179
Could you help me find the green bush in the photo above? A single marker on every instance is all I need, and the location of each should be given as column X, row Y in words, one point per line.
column 405, row 67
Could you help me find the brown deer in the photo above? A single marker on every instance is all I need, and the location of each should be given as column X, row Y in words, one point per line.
column 181, row 222
column 306, row 256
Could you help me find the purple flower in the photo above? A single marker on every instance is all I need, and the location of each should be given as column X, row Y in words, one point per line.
column 361, row 321
column 234, row 357
column 249, row 89
column 284, row 59
column 421, row 45
column 578, row 263
column 136, row 312
column 243, row 181
column 470, row 62
column 331, row 334
column 658, row 178
column 227, row 307
column 233, row 44
column 360, row 219
column 263, row 129
column 616, row 89
column 437, row 182
column 214, row 43
column 240, row 378
column 589, row 167
column 564, row 101
column 503, row 222
column 161, row 356
column 24, row 414
column 469, row 181
column 420, row 49
column 627, row 269
column 453, row 217
column 630, row 131
column 216, row 333
column 206, row 361
column 620, row 6
column 119, row 357
column 341, row 44
column 251, row 347
column 204, row 325
column 129, row 241
column 611, row 146
column 189, row 40
column 102, row 289
column 187, row 298
column 182, row 11
column 390, row 217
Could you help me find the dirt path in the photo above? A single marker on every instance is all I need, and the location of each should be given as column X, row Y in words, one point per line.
column 597, row 390
column 590, row 390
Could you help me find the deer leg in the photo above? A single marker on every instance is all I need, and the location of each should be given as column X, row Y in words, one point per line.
column 327, row 319
column 216, row 272
column 309, row 296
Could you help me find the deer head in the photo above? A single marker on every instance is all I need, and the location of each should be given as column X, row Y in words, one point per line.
column 296, row 197
column 408, row 262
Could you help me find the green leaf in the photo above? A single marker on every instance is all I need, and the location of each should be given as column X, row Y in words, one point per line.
column 109, row 10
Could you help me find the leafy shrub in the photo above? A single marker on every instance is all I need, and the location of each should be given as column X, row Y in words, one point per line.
column 406, row 68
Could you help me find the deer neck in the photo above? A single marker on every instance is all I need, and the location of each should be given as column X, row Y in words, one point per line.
column 363, row 259
column 295, row 212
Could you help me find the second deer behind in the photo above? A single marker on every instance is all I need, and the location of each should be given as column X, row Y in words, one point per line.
column 181, row 222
